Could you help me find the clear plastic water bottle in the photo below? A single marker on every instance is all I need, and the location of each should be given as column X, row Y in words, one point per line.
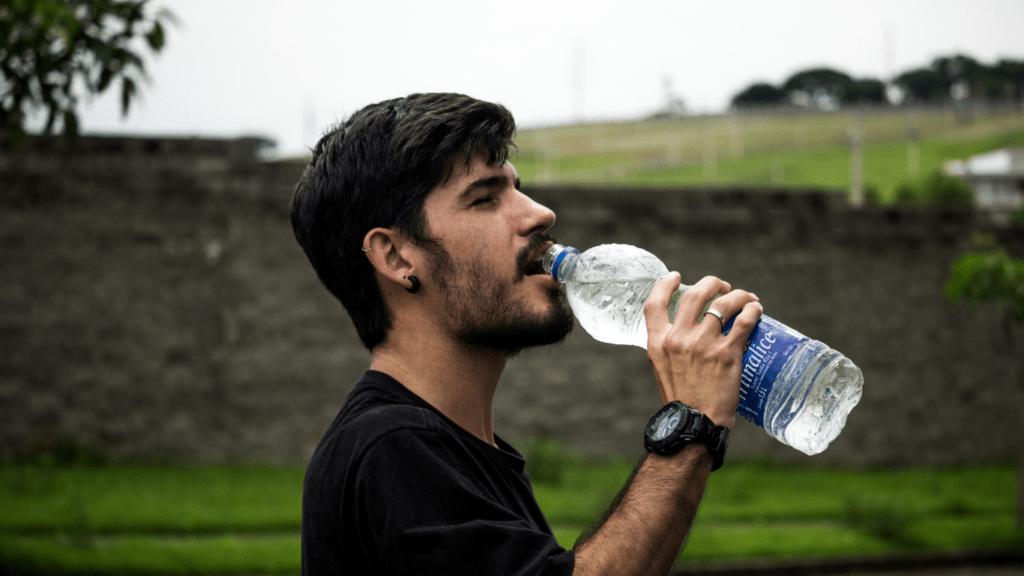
column 798, row 390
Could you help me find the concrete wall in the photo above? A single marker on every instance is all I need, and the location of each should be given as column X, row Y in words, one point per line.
column 155, row 303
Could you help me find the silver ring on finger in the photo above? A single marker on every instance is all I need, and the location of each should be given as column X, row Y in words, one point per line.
column 716, row 314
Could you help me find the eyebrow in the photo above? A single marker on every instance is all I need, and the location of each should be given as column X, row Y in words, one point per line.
column 489, row 182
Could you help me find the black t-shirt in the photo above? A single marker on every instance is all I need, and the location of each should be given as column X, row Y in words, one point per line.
column 395, row 487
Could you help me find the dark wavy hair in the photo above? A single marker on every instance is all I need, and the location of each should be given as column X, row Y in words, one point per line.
column 374, row 170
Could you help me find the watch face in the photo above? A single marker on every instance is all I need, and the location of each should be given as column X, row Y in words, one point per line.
column 666, row 423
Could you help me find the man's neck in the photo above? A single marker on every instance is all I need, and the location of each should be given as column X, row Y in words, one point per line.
column 457, row 380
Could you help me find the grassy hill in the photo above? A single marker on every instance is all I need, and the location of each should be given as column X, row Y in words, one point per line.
column 782, row 149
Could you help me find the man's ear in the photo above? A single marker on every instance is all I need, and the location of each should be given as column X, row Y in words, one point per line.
column 392, row 254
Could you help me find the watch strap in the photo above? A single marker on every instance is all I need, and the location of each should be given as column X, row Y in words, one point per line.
column 718, row 442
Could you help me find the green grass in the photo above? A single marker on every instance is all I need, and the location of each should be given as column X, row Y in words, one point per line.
column 778, row 511
column 221, row 554
column 123, row 518
column 195, row 499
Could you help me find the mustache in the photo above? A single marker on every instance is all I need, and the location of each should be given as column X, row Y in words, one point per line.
column 536, row 241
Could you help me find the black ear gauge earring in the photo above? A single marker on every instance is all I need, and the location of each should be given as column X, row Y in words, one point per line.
column 415, row 285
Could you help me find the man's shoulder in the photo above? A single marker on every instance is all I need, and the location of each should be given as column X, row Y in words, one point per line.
column 375, row 408
column 374, row 422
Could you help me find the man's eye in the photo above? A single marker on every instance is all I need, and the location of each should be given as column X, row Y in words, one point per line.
column 482, row 200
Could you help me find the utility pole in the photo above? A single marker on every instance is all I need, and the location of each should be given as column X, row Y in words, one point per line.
column 710, row 150
column 913, row 146
column 889, row 54
column 735, row 135
column 856, row 161
column 579, row 57
column 310, row 130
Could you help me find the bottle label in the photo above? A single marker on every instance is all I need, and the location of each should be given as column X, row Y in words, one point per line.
column 771, row 345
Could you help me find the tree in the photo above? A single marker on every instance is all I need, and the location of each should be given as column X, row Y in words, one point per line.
column 989, row 275
column 983, row 82
column 944, row 190
column 822, row 87
column 936, row 189
column 865, row 91
column 759, row 94
column 956, row 77
column 992, row 275
column 52, row 50
column 924, row 85
column 949, row 74
column 957, row 68
column 1012, row 74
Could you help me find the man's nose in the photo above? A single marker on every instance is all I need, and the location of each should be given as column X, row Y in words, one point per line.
column 539, row 218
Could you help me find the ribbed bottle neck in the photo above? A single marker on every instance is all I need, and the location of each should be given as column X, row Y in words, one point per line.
column 560, row 261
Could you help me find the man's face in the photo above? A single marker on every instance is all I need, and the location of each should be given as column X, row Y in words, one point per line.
column 486, row 239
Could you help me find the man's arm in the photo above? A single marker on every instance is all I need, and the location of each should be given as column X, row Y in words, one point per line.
column 646, row 529
column 696, row 364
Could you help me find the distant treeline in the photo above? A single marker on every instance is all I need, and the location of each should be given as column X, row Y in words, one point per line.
column 948, row 79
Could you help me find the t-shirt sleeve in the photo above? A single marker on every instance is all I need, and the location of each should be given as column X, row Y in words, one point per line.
column 425, row 511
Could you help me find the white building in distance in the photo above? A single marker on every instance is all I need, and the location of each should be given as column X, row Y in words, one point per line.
column 996, row 178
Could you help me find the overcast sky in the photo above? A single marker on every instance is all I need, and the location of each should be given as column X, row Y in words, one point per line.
column 287, row 70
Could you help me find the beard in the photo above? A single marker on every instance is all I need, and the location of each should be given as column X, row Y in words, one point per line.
column 484, row 312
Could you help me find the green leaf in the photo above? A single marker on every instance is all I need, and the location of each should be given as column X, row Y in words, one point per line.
column 156, row 37
column 106, row 75
column 127, row 93
column 991, row 276
column 52, row 50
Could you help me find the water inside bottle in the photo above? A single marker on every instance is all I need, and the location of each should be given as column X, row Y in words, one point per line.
column 812, row 411
column 612, row 311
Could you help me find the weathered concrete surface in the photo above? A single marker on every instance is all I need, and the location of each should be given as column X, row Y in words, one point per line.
column 154, row 303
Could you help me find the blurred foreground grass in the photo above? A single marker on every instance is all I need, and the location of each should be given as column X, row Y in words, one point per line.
column 137, row 518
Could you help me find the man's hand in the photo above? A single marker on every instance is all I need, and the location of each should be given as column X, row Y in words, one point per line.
column 693, row 361
column 699, row 366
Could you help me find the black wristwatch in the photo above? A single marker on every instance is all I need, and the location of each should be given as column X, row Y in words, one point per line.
column 677, row 425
